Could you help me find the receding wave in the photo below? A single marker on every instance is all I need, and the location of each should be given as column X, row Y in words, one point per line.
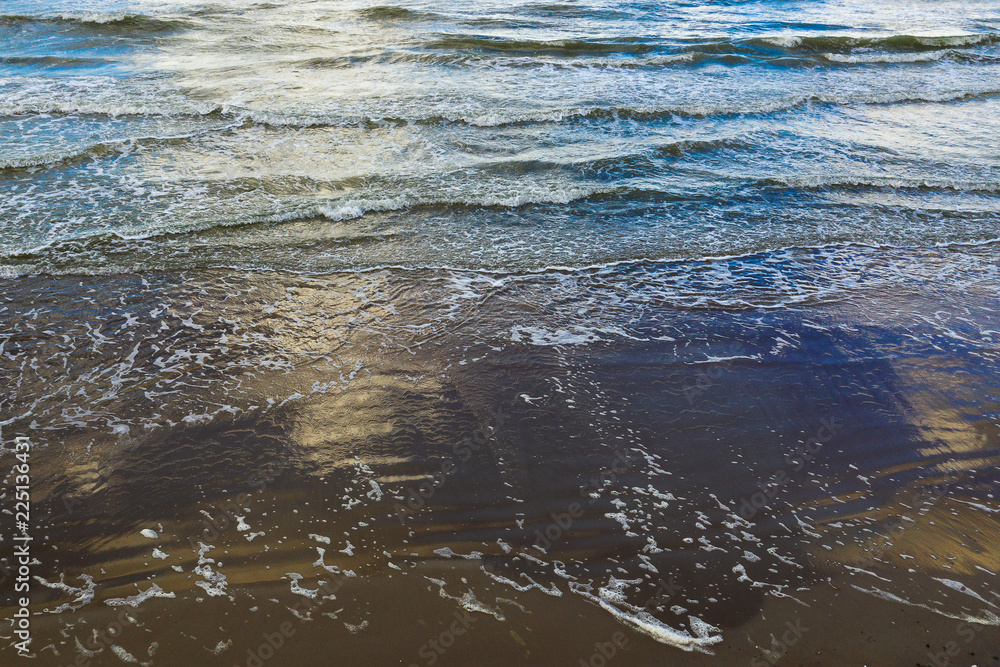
column 772, row 278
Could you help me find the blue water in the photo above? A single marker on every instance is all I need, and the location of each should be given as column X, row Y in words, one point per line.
column 327, row 135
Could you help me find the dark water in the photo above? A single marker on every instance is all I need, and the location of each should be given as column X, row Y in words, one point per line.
column 475, row 334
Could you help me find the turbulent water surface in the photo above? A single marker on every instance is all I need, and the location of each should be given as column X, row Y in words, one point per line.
column 639, row 333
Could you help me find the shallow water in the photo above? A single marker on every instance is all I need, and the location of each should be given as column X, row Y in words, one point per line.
column 632, row 333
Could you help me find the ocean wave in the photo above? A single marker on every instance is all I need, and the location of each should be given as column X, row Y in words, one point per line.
column 563, row 47
column 118, row 22
column 828, row 181
column 51, row 104
column 98, row 148
column 54, row 61
column 104, row 107
column 571, row 11
column 49, row 159
column 647, row 113
column 470, row 59
column 507, row 117
column 340, row 210
column 145, row 94
column 653, row 61
column 892, row 43
column 806, row 47
column 352, row 208
column 54, row 102
column 952, row 55
column 392, row 13
column 792, row 50
column 868, row 58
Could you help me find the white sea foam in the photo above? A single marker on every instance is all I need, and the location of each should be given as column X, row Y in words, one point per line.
column 154, row 591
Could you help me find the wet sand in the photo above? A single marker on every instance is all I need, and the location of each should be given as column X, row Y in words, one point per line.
column 436, row 468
